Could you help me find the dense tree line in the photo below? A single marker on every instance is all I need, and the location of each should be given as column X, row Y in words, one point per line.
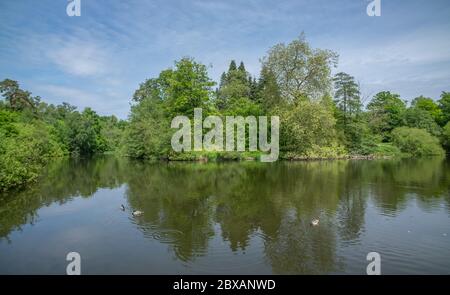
column 33, row 132
column 322, row 116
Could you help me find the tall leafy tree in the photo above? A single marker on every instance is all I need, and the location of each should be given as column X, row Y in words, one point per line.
column 444, row 106
column 85, row 136
column 269, row 94
column 181, row 89
column 232, row 66
column 242, row 68
column 235, row 86
column 429, row 105
column 347, row 95
column 16, row 97
column 386, row 112
column 424, row 113
column 188, row 86
column 301, row 70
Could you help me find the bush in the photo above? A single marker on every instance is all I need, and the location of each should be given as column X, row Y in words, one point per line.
column 446, row 136
column 24, row 150
column 419, row 118
column 385, row 150
column 416, row 142
column 305, row 128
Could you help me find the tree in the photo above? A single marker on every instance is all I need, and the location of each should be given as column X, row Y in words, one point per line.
column 444, row 106
column 111, row 132
column 235, row 85
column 305, row 127
column 417, row 117
column 242, row 68
column 347, row 95
column 253, row 84
column 17, row 98
column 300, row 70
column 85, row 133
column 232, row 66
column 174, row 92
column 148, row 132
column 427, row 104
column 268, row 92
column 187, row 87
column 386, row 112
column 352, row 129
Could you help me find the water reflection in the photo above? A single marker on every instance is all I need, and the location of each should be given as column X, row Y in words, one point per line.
column 260, row 212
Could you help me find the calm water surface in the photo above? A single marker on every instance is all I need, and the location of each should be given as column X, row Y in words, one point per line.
column 230, row 218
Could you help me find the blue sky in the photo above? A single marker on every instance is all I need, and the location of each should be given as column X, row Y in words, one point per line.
column 100, row 58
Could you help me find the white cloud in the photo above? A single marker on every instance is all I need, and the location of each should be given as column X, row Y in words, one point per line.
column 80, row 58
column 411, row 64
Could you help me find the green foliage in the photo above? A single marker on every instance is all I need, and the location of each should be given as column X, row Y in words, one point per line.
column 347, row 95
column 417, row 117
column 301, row 70
column 385, row 150
column 352, row 129
column 416, row 142
column 33, row 132
column 187, row 87
column 175, row 92
column 294, row 83
column 236, row 84
column 24, row 149
column 444, row 106
column 446, row 136
column 148, row 133
column 17, row 98
column 386, row 112
column 243, row 107
column 268, row 92
column 427, row 104
column 84, row 133
column 305, row 127
column 112, row 132
column 358, row 138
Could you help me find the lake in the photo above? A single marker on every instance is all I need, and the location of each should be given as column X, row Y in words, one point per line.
column 230, row 218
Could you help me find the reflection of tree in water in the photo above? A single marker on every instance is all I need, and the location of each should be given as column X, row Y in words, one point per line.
column 353, row 193
column 309, row 190
column 176, row 201
column 185, row 202
column 394, row 182
column 301, row 249
column 63, row 180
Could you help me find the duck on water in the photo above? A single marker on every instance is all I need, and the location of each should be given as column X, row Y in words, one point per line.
column 134, row 212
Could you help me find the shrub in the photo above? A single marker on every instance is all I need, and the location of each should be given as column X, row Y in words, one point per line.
column 24, row 152
column 416, row 142
column 305, row 127
column 386, row 150
column 446, row 136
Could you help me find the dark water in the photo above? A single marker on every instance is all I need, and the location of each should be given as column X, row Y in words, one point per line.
column 231, row 218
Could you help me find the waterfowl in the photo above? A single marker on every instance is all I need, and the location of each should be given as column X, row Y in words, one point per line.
column 122, row 207
column 315, row 222
column 137, row 213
